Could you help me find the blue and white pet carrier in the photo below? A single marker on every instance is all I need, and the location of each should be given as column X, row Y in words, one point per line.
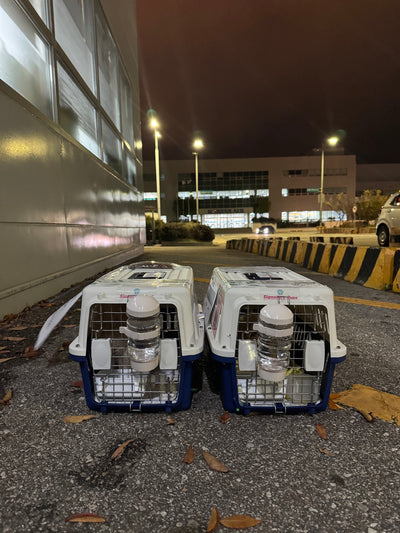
column 272, row 334
column 140, row 335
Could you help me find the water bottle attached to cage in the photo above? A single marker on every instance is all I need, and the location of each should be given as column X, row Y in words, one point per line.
column 274, row 340
column 143, row 332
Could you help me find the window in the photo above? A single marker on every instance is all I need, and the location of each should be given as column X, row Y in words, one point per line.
column 130, row 168
column 41, row 9
column 111, row 147
column 77, row 115
column 24, row 57
column 74, row 25
column 284, row 192
column 108, row 71
column 126, row 110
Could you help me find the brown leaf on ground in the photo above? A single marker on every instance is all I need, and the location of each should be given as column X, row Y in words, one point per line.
column 171, row 421
column 69, row 325
column 18, row 328
column 189, row 455
column 6, row 398
column 13, row 339
column 31, row 352
column 78, row 384
column 213, row 463
column 85, row 517
column 9, row 318
column 214, row 521
column 76, row 419
column 4, row 359
column 2, row 348
column 332, row 402
column 240, row 521
column 325, row 452
column 121, row 448
column 224, row 418
column 372, row 403
column 321, row 431
column 45, row 304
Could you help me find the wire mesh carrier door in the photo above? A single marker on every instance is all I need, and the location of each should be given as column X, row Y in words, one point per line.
column 120, row 384
column 299, row 388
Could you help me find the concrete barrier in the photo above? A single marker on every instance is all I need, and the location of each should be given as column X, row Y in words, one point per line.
column 376, row 268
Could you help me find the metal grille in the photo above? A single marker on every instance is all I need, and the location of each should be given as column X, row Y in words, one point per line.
column 121, row 384
column 298, row 388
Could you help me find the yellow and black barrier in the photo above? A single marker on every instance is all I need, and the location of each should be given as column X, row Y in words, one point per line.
column 376, row 268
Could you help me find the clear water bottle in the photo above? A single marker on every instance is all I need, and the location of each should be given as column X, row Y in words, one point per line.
column 143, row 332
column 274, row 340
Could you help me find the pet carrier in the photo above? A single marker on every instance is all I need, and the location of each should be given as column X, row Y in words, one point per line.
column 272, row 337
column 140, row 335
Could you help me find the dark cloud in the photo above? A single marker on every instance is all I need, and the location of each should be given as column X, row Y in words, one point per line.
column 266, row 78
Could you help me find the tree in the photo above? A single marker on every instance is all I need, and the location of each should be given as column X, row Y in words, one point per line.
column 342, row 204
column 261, row 204
column 369, row 204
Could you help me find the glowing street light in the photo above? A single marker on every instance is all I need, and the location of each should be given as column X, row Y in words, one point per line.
column 155, row 126
column 331, row 141
column 197, row 145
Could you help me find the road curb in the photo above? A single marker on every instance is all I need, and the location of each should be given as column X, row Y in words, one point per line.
column 375, row 268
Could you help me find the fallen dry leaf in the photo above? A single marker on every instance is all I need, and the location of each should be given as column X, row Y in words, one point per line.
column 78, row 384
column 31, row 352
column 372, row 403
column 13, row 339
column 171, row 421
column 321, row 431
column 224, row 418
column 239, row 521
column 214, row 521
column 213, row 463
column 69, row 325
column 7, row 398
column 2, row 348
column 85, row 517
column 76, row 419
column 189, row 455
column 4, row 359
column 325, row 452
column 45, row 304
column 18, row 328
column 332, row 405
column 121, row 448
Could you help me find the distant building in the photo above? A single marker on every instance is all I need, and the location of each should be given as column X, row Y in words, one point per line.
column 229, row 189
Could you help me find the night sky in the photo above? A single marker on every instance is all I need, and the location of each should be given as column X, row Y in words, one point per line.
column 265, row 78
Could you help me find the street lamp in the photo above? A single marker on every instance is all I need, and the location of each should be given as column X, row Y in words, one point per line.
column 154, row 125
column 197, row 145
column 332, row 141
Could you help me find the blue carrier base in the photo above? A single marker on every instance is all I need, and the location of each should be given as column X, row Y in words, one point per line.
column 230, row 396
column 183, row 401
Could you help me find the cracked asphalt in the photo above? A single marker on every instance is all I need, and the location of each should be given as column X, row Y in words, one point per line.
column 279, row 470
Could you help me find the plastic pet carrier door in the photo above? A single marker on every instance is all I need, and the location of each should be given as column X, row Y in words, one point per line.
column 141, row 332
column 272, row 333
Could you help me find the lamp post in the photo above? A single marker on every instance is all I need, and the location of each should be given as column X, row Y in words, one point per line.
column 154, row 125
column 332, row 141
column 197, row 145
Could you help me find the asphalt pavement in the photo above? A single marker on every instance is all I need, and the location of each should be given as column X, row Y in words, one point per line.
column 280, row 470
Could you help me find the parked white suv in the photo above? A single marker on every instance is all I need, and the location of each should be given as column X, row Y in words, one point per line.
column 388, row 222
